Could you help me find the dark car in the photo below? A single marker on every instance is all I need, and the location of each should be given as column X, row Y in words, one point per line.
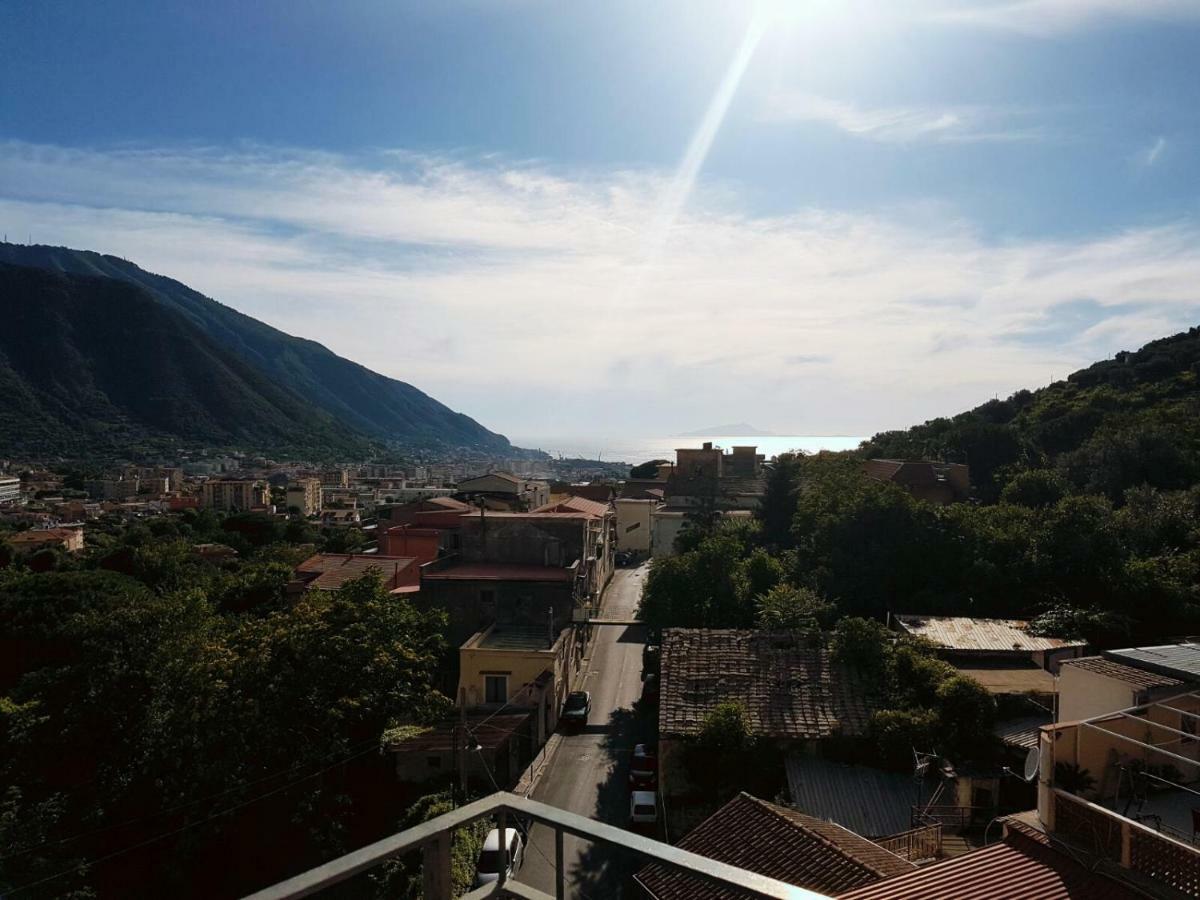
column 643, row 769
column 577, row 708
column 650, row 688
column 651, row 655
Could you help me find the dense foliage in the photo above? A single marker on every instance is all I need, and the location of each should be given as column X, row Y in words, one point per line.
column 171, row 711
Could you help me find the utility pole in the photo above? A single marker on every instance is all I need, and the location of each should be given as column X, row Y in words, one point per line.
column 460, row 748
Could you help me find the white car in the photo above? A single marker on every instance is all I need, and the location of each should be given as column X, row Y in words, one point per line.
column 643, row 807
column 487, row 870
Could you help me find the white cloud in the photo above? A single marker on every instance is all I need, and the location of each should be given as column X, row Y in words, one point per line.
column 1151, row 155
column 897, row 124
column 504, row 289
column 1051, row 17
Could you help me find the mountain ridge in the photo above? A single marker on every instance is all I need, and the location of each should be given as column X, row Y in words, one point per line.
column 376, row 405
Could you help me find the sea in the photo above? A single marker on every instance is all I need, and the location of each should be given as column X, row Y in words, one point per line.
column 635, row 450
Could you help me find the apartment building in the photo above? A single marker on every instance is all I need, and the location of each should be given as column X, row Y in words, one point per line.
column 229, row 494
column 305, row 494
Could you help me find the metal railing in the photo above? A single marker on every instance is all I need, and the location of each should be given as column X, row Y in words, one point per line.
column 923, row 842
column 433, row 839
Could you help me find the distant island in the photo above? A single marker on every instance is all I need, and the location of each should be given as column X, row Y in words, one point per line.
column 741, row 429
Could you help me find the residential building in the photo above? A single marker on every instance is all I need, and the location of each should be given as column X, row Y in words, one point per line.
column 502, row 744
column 635, row 523
column 68, row 539
column 1000, row 654
column 519, row 665
column 304, row 494
column 335, row 478
column 341, row 518
column 668, row 522
column 10, row 490
column 112, row 488
column 1120, row 679
column 509, row 491
column 780, row 843
column 424, row 544
column 709, row 476
column 234, row 494
column 331, row 571
column 934, row 482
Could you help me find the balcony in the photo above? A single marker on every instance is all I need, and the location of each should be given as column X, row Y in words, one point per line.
column 432, row 838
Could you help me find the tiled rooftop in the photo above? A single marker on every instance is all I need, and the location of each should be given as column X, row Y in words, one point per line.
column 499, row 572
column 1021, row 867
column 788, row 690
column 779, row 842
column 335, row 569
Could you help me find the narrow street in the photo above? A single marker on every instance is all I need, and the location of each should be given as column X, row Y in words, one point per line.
column 588, row 774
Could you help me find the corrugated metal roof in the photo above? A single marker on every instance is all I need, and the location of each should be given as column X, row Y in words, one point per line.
column 870, row 802
column 1022, row 733
column 1134, row 677
column 1176, row 660
column 777, row 842
column 993, row 635
column 1021, row 867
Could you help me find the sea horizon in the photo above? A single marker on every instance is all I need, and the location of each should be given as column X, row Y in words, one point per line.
column 635, row 450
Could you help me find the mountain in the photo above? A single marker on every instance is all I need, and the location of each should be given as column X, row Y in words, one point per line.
column 741, row 429
column 1122, row 422
column 92, row 366
column 365, row 401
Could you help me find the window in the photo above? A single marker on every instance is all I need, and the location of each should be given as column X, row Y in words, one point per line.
column 495, row 689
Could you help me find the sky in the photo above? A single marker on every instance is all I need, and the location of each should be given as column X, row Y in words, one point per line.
column 597, row 218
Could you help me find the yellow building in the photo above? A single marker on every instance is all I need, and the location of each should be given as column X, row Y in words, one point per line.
column 305, row 495
column 518, row 666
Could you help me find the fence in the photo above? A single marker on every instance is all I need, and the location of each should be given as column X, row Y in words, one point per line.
column 916, row 843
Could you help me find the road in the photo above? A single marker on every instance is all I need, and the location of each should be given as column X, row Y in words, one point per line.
column 589, row 771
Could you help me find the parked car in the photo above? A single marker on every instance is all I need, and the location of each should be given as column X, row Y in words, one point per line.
column 651, row 655
column 643, row 809
column 650, row 688
column 623, row 558
column 577, row 708
column 487, row 870
column 643, row 769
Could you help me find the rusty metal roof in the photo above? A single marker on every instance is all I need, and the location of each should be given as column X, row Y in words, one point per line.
column 1134, row 677
column 989, row 635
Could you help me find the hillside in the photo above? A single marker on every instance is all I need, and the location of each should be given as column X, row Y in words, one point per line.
column 1130, row 420
column 365, row 401
column 90, row 366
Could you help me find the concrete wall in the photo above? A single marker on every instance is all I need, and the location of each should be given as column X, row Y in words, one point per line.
column 543, row 541
column 1083, row 694
column 520, row 667
column 472, row 606
column 635, row 525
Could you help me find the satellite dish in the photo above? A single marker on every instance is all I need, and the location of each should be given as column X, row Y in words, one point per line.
column 1033, row 760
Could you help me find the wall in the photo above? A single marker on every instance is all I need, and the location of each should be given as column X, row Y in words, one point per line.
column 401, row 540
column 522, row 667
column 470, row 608
column 634, row 525
column 666, row 526
column 1083, row 694
column 542, row 541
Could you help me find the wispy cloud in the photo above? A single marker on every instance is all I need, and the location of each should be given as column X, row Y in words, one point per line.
column 1050, row 17
column 497, row 287
column 1151, row 155
column 898, row 124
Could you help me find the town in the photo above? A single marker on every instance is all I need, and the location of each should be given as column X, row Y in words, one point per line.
column 774, row 744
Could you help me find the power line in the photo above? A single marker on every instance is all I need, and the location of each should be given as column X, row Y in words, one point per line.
column 182, row 828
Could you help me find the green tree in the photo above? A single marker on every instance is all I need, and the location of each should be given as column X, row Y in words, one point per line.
column 727, row 729
column 788, row 608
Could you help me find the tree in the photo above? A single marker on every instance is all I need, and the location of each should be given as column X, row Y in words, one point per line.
column 1036, row 489
column 778, row 506
column 788, row 608
column 647, row 469
column 727, row 729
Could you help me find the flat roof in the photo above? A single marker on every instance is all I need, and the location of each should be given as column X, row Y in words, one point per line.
column 511, row 637
column 965, row 633
column 1011, row 679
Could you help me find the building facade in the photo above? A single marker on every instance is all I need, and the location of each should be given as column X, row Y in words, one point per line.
column 304, row 494
column 234, row 495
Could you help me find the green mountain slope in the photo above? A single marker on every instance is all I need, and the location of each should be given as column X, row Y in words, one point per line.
column 366, row 401
column 92, row 366
column 1122, row 422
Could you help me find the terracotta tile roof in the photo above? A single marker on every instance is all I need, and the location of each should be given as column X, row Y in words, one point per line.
column 499, row 572
column 969, row 634
column 490, row 729
column 788, row 690
column 777, row 842
column 447, row 503
column 1138, row 678
column 576, row 504
column 334, row 569
column 1021, row 867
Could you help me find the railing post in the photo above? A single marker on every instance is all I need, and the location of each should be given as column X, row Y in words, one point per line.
column 435, row 868
column 503, row 846
column 560, row 892
column 1126, row 845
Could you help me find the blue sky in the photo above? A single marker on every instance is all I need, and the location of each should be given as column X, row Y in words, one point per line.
column 539, row 213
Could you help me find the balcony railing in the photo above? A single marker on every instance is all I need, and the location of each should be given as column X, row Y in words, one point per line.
column 433, row 839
